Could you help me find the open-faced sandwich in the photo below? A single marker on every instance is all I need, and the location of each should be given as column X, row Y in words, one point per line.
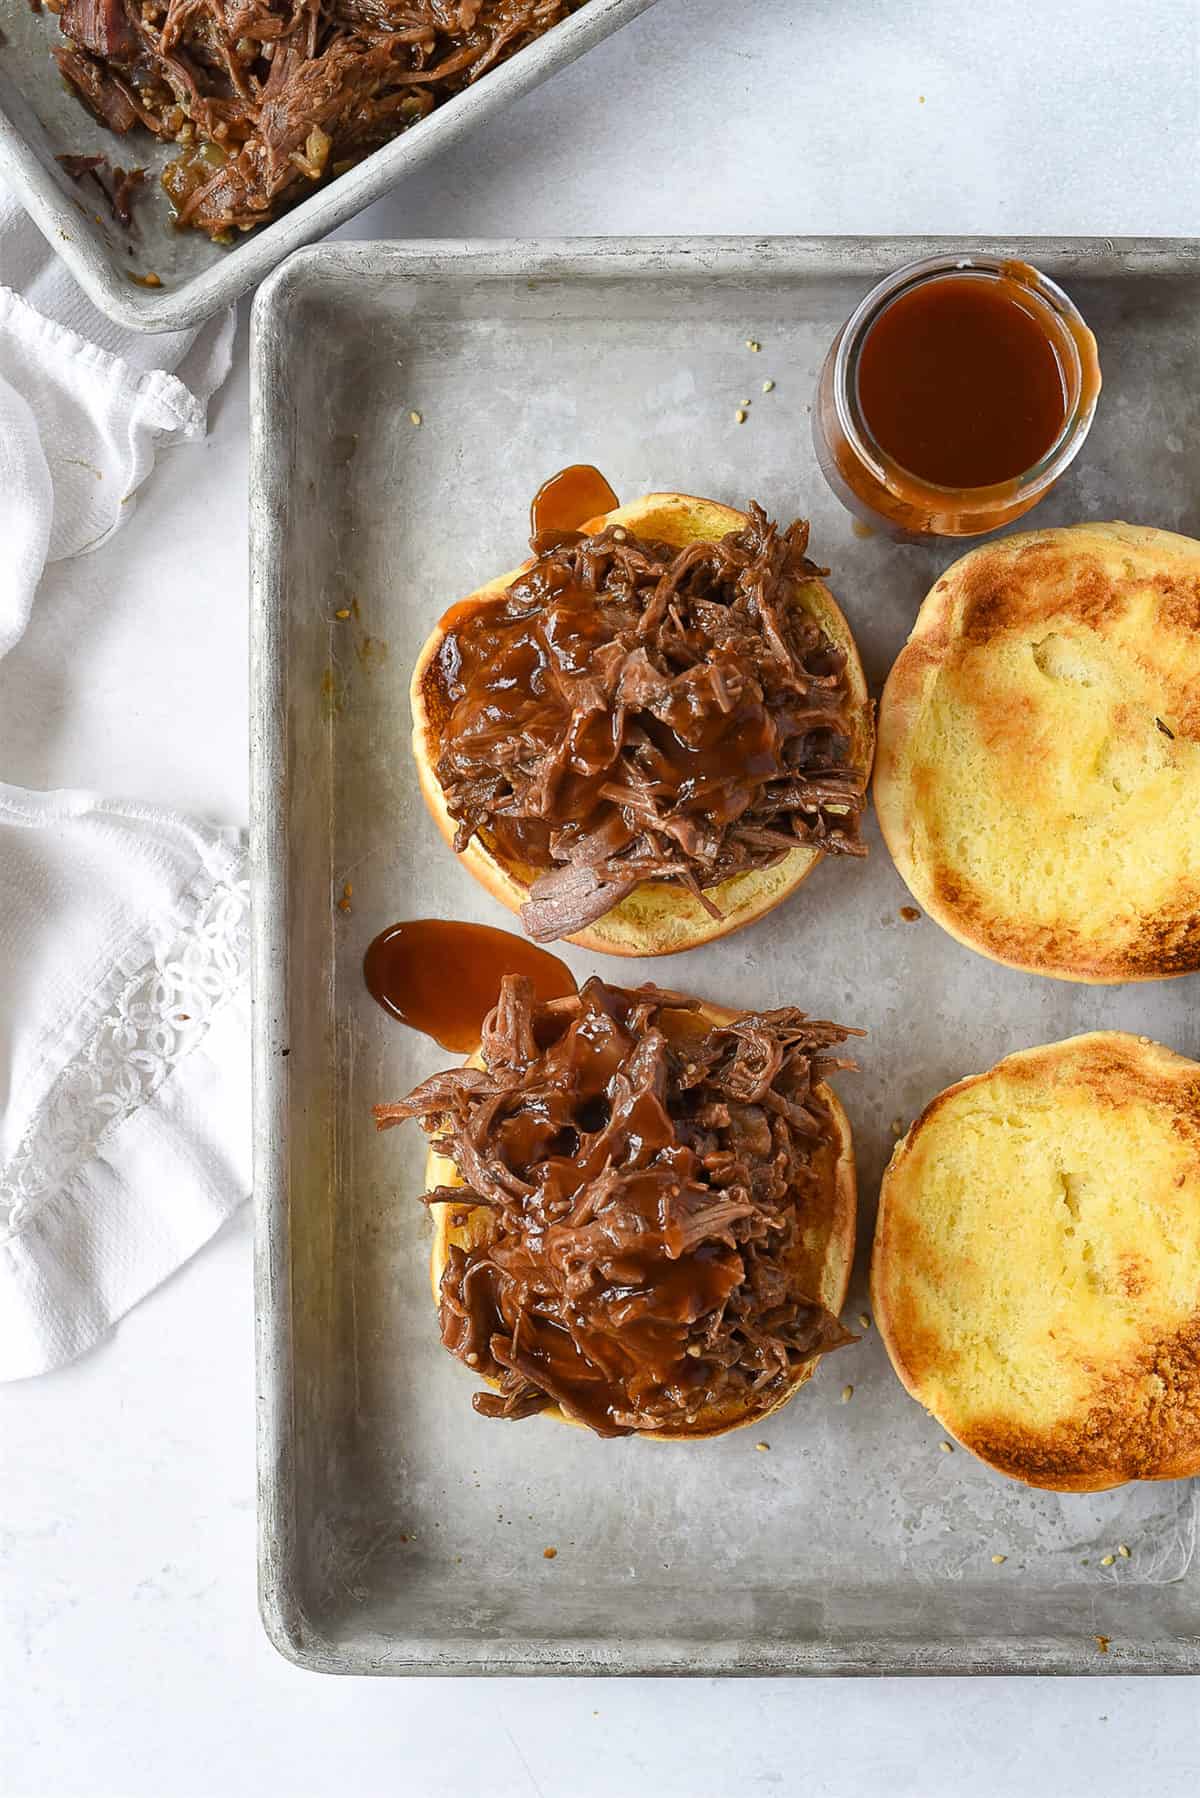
column 647, row 736
column 644, row 1205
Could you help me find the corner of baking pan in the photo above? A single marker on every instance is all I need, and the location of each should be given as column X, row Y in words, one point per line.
column 201, row 296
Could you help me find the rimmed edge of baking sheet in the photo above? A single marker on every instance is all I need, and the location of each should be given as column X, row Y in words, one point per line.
column 27, row 163
column 282, row 1609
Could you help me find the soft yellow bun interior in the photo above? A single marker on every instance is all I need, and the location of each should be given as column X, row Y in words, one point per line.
column 1036, row 1266
column 1038, row 776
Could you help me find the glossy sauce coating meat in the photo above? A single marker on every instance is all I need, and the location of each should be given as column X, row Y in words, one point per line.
column 630, row 712
column 645, row 1178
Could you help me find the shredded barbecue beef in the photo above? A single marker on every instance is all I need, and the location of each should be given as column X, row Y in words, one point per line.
column 645, row 1180
column 119, row 186
column 628, row 712
column 268, row 97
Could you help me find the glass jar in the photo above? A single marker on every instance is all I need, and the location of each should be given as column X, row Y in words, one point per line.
column 873, row 485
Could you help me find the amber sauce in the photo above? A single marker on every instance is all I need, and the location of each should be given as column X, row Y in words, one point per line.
column 491, row 672
column 960, row 383
column 442, row 978
column 635, row 1317
column 570, row 499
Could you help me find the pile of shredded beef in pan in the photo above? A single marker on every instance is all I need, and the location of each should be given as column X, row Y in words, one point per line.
column 628, row 712
column 644, row 1190
column 269, row 96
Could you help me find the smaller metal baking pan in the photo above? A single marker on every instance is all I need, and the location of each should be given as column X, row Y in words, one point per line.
column 40, row 119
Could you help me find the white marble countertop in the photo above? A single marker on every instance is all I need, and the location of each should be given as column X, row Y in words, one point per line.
column 131, row 1657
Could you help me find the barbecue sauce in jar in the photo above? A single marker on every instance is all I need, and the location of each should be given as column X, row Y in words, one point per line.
column 954, row 397
column 443, row 978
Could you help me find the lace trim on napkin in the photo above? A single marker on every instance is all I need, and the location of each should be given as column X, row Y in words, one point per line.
column 160, row 1015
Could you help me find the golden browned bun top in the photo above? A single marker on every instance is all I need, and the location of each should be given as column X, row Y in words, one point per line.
column 645, row 848
column 1038, row 775
column 1036, row 1267
column 645, row 1209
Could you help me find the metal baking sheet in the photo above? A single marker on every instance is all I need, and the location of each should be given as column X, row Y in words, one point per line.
column 41, row 119
column 399, row 1531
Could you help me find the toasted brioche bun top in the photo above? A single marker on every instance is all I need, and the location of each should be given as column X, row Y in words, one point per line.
column 824, row 1253
column 659, row 917
column 1036, row 1266
column 1038, row 776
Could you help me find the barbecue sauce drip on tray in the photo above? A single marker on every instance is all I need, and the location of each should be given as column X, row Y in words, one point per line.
column 960, row 382
column 566, row 502
column 443, row 978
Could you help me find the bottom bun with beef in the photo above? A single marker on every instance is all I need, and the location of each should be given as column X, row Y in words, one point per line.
column 645, row 1208
column 649, row 735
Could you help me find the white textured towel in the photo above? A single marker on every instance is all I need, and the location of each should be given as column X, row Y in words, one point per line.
column 124, row 1060
column 83, row 407
column 124, row 1017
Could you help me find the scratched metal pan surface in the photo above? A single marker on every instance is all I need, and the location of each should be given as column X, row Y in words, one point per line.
column 399, row 1531
column 41, row 119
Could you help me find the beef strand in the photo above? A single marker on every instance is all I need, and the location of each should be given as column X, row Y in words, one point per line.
column 119, row 186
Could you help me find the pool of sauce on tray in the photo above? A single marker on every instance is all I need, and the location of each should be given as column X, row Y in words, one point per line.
column 960, row 381
column 568, row 500
column 443, row 978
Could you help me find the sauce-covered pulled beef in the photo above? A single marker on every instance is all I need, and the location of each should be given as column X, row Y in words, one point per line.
column 267, row 97
column 627, row 711
column 644, row 1180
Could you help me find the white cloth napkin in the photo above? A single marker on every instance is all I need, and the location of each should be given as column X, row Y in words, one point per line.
column 124, row 1060
column 124, row 1016
column 84, row 405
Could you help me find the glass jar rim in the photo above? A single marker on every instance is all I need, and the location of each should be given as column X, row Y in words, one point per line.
column 893, row 475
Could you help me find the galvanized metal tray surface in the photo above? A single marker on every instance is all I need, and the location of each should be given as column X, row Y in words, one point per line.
column 399, row 1531
column 41, row 119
